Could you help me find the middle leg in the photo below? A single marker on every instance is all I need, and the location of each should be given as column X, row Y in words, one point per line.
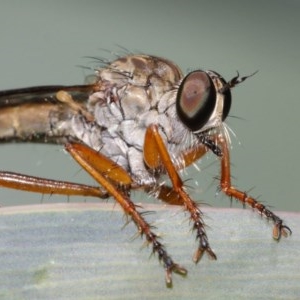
column 156, row 156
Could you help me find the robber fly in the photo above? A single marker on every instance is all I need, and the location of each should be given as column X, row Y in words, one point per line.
column 141, row 119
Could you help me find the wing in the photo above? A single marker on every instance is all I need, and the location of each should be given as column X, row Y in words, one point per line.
column 42, row 94
column 29, row 114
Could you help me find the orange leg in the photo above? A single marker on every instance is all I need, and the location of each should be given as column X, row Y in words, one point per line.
column 167, row 193
column 28, row 183
column 219, row 145
column 225, row 185
column 191, row 155
column 47, row 186
column 156, row 156
column 91, row 161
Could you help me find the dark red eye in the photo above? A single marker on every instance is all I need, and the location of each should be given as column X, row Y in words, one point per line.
column 196, row 100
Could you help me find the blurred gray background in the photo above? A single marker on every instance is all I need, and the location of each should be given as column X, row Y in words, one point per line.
column 43, row 42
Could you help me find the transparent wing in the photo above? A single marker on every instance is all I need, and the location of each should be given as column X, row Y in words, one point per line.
column 29, row 114
column 42, row 94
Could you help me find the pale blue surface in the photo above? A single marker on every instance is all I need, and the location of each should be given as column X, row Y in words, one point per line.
column 78, row 253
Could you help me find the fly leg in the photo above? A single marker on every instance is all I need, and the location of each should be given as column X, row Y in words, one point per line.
column 92, row 162
column 167, row 193
column 279, row 228
column 156, row 156
column 48, row 186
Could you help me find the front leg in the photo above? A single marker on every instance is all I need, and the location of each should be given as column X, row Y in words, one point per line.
column 225, row 185
column 156, row 156
column 110, row 175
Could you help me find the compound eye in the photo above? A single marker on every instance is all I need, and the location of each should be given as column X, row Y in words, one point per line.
column 196, row 100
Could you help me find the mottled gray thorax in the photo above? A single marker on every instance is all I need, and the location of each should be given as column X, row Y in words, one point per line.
column 135, row 91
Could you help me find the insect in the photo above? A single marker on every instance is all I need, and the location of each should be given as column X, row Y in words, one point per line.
column 141, row 119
